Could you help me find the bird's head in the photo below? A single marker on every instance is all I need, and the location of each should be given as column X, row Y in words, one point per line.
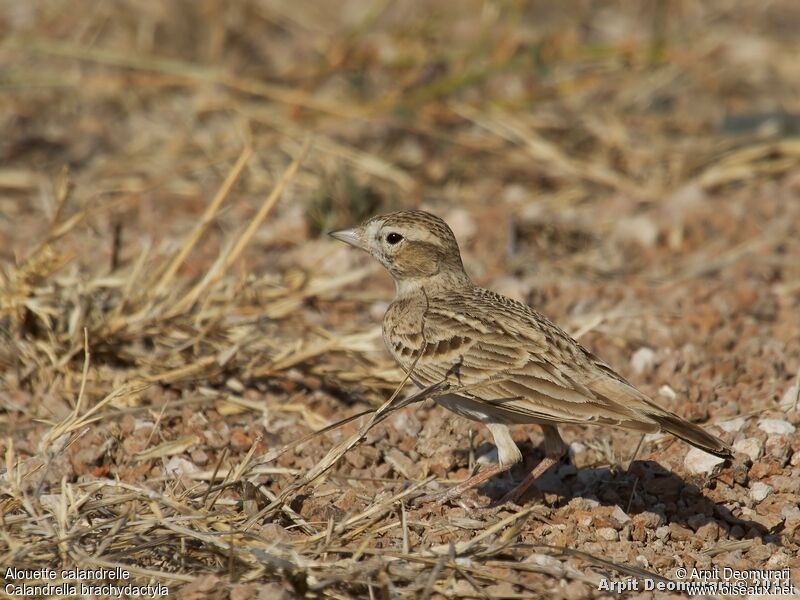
column 416, row 247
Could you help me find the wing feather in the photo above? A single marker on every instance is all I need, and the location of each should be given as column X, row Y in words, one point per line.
column 521, row 368
column 506, row 361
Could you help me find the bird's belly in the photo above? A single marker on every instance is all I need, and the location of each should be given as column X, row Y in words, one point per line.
column 465, row 407
column 485, row 412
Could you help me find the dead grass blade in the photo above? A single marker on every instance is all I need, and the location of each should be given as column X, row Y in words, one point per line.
column 233, row 253
column 205, row 221
column 184, row 70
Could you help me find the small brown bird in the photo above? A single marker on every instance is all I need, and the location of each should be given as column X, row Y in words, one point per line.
column 508, row 363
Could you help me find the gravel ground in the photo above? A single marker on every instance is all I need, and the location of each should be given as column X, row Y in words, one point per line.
column 638, row 183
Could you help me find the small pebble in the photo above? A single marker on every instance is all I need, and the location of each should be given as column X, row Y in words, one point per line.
column 679, row 532
column 143, row 424
column 791, row 512
column 752, row 447
column 581, row 503
column 736, row 424
column 709, row 531
column 127, row 424
column 543, row 560
column 791, row 516
column 235, row 385
column 759, row 491
column 759, row 553
column 698, row 462
column 790, row 401
column 619, row 516
column 575, row 590
column 778, row 426
column 779, row 560
column 608, row 533
column 663, row 532
column 763, row 468
column 654, row 437
column 240, row 440
column 639, row 229
column 702, row 561
column 784, row 484
column 778, row 446
column 199, row 457
column 667, row 392
column 178, row 466
column 649, row 519
column 576, row 448
column 642, row 360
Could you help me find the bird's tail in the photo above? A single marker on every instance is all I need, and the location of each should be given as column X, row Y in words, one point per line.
column 694, row 435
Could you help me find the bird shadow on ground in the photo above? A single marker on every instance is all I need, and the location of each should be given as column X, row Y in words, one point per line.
column 645, row 486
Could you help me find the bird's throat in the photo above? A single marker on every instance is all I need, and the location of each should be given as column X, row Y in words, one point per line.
column 433, row 285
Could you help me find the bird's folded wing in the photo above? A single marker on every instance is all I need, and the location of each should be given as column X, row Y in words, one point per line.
column 513, row 369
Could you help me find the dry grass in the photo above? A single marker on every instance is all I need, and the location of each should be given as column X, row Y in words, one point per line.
column 170, row 277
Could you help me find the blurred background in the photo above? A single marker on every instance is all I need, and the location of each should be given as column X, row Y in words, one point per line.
column 631, row 169
column 503, row 107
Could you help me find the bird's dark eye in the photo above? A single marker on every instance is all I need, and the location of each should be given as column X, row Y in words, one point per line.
column 393, row 238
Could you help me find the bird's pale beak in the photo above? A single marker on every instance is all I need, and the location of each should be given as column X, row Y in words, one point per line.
column 348, row 236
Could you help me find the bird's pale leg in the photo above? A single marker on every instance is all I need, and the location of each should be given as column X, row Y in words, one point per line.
column 458, row 490
column 508, row 455
column 555, row 448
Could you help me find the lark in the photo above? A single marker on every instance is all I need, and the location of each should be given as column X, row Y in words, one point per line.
column 505, row 362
